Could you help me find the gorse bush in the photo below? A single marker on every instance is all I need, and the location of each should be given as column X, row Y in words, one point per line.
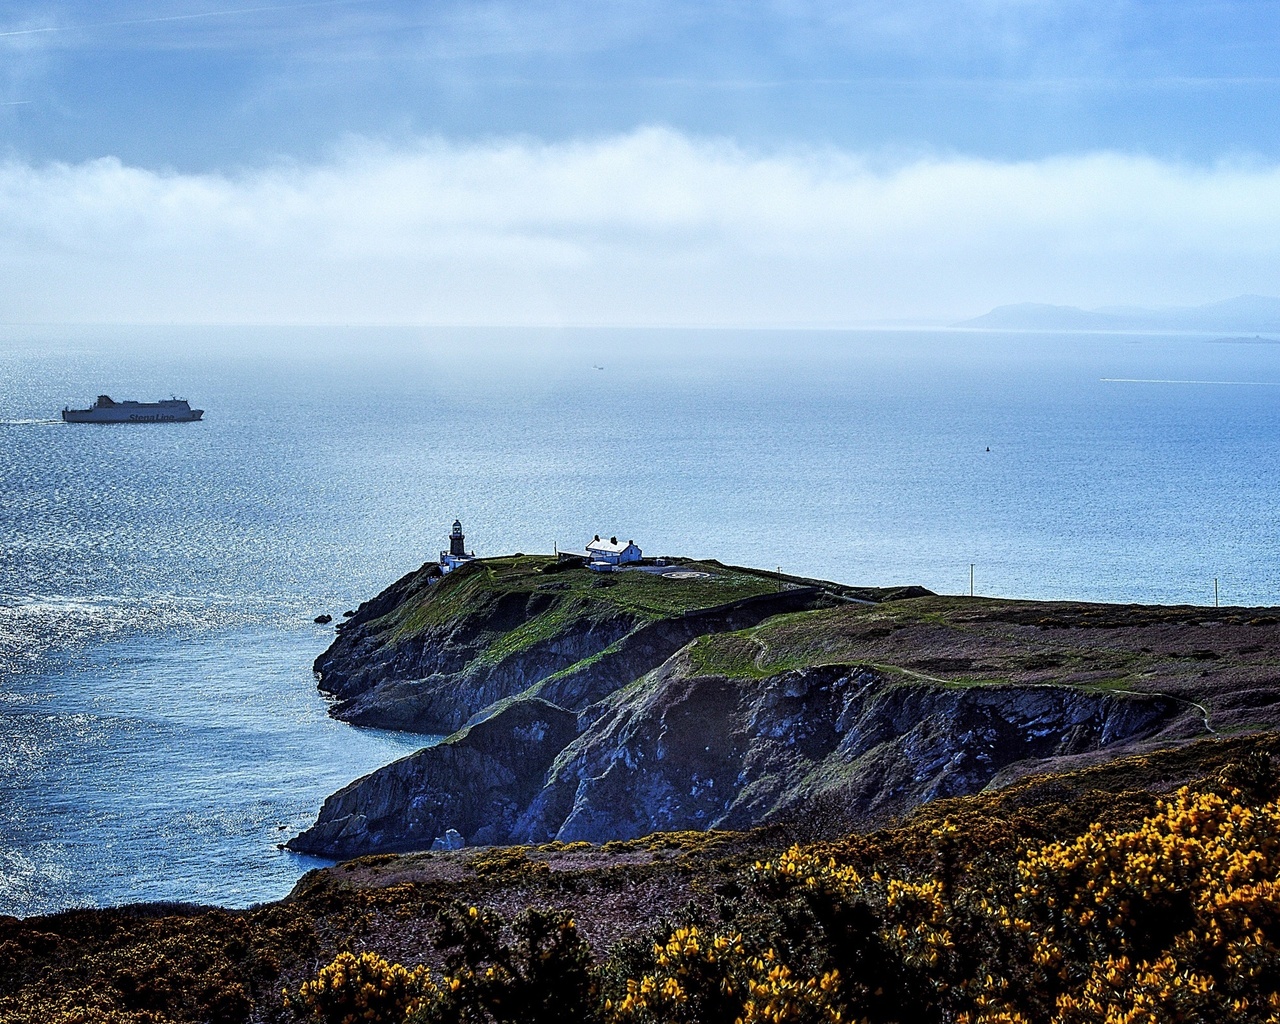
column 1175, row 920
column 538, row 971
column 713, row 979
column 1172, row 921
column 363, row 989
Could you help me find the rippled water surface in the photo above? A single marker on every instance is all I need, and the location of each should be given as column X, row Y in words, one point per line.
column 160, row 730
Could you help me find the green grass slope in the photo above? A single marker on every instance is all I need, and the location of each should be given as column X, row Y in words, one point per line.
column 430, row 652
column 1224, row 660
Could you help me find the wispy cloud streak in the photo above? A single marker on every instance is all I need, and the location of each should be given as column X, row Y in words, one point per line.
column 52, row 29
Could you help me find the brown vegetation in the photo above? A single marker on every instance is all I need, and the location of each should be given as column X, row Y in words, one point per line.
column 149, row 965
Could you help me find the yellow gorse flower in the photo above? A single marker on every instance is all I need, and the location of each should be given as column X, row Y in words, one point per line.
column 1176, row 919
column 368, row 988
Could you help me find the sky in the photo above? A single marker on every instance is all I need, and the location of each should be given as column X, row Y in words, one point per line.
column 647, row 162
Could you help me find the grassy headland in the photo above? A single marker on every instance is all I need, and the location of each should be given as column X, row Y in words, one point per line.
column 710, row 696
column 1226, row 659
column 430, row 652
column 569, row 590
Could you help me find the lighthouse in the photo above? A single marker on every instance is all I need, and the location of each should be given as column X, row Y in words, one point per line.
column 457, row 553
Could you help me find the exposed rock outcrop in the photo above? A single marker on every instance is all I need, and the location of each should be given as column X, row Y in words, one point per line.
column 695, row 752
column 681, row 750
column 477, row 782
column 451, row 840
column 436, row 683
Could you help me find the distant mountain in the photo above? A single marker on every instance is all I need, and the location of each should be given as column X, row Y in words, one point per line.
column 1038, row 316
column 1246, row 313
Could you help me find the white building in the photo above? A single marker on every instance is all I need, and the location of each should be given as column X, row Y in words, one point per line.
column 613, row 553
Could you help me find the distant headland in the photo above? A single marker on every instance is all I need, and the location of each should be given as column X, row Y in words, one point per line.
column 1251, row 314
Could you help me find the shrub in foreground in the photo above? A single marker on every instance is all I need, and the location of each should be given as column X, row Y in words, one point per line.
column 1174, row 920
column 364, row 989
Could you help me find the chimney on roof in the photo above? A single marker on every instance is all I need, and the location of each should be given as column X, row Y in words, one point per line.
column 613, row 540
column 630, row 542
column 597, row 537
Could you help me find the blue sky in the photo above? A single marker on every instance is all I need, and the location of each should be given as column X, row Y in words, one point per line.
column 257, row 125
column 199, row 85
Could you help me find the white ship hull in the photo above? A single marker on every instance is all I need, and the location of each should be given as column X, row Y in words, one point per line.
column 104, row 410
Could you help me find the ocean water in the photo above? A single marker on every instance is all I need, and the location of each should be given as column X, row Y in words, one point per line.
column 160, row 730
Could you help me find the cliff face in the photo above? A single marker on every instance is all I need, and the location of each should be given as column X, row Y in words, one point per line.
column 694, row 751
column 436, row 682
column 690, row 751
column 602, row 707
column 477, row 782
column 428, row 653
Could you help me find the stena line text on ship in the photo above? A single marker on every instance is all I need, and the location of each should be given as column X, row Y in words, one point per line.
column 104, row 410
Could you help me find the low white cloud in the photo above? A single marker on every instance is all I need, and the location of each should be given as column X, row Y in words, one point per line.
column 647, row 228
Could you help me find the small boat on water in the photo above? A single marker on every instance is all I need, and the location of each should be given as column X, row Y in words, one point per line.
column 104, row 410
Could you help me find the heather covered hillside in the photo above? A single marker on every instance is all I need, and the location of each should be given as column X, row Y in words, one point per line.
column 1144, row 889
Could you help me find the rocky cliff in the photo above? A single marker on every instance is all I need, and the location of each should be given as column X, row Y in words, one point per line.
column 602, row 707
column 681, row 750
column 478, row 782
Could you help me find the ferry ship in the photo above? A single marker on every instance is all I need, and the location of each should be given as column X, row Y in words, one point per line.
column 104, row 410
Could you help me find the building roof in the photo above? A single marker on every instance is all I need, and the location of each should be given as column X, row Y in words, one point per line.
column 611, row 545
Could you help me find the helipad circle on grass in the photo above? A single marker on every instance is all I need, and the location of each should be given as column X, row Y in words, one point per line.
column 686, row 574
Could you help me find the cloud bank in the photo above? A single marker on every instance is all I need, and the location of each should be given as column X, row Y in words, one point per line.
column 648, row 228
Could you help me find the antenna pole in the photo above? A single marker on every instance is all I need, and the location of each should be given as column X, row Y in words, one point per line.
column 971, row 579
column 1215, row 591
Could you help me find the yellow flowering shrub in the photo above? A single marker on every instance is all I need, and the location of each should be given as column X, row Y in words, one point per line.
column 363, row 989
column 537, row 970
column 1177, row 919
column 1171, row 919
column 890, row 937
column 706, row 979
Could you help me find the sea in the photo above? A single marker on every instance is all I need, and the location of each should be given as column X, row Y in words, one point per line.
column 160, row 727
